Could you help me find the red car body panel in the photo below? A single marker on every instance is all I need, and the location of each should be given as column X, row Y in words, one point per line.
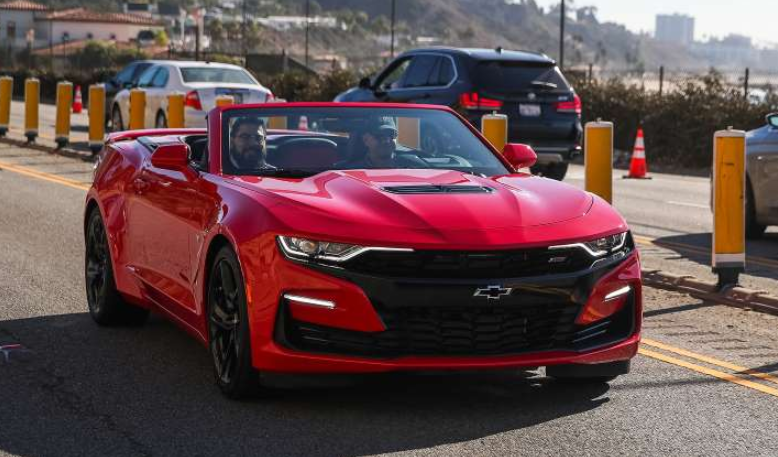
column 162, row 223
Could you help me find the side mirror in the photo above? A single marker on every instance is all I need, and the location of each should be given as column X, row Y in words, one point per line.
column 171, row 157
column 364, row 83
column 772, row 119
column 519, row 155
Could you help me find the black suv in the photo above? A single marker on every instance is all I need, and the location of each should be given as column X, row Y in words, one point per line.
column 542, row 108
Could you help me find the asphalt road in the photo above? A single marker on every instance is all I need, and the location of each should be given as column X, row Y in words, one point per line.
column 73, row 388
column 671, row 216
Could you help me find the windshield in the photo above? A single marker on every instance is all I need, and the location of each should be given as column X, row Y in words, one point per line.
column 303, row 141
column 215, row 75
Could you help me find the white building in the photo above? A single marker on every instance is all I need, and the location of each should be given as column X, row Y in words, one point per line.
column 675, row 28
column 23, row 20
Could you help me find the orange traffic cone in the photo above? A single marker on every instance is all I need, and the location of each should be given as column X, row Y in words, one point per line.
column 638, row 166
column 303, row 124
column 78, row 104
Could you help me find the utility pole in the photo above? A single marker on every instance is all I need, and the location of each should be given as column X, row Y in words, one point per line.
column 243, row 32
column 562, row 35
column 391, row 52
column 307, row 24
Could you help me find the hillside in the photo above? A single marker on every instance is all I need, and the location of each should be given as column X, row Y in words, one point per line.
column 521, row 24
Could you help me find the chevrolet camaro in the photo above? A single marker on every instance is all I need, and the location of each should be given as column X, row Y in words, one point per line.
column 305, row 238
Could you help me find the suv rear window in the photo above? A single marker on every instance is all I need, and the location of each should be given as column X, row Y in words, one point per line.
column 517, row 77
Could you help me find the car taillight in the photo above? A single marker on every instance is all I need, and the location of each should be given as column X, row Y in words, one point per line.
column 573, row 106
column 471, row 100
column 193, row 100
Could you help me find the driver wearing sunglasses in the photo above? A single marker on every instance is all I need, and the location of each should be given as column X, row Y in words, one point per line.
column 380, row 144
column 248, row 144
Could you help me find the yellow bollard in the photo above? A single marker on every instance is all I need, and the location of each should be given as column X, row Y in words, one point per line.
column 6, row 93
column 729, row 215
column 495, row 128
column 409, row 132
column 175, row 111
column 224, row 100
column 62, row 124
column 96, row 117
column 32, row 95
column 598, row 159
column 277, row 123
column 137, row 109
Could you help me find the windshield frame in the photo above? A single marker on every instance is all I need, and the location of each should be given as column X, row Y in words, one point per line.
column 220, row 116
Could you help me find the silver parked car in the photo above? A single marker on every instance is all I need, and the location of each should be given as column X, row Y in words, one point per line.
column 200, row 82
column 762, row 177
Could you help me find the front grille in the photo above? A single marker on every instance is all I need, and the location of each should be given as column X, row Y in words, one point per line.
column 458, row 264
column 446, row 330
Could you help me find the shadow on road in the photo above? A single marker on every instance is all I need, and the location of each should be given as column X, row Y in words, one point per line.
column 87, row 390
column 762, row 254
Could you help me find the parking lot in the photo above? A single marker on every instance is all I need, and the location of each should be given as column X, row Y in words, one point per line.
column 72, row 388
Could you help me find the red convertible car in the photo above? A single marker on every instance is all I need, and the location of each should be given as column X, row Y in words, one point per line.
column 328, row 238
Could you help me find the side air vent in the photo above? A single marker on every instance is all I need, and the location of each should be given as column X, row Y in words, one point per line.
column 443, row 189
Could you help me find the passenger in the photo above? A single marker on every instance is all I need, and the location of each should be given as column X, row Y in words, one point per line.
column 248, row 144
column 375, row 147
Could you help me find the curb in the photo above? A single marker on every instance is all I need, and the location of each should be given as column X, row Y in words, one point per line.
column 65, row 152
column 739, row 297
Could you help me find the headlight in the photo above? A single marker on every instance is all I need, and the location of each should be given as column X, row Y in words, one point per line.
column 303, row 248
column 601, row 246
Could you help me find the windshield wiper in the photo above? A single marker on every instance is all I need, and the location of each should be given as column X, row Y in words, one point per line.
column 543, row 85
column 287, row 172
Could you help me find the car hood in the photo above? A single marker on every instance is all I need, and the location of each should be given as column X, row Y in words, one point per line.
column 361, row 198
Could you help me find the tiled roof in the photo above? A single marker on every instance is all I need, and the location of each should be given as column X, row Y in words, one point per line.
column 85, row 15
column 23, row 5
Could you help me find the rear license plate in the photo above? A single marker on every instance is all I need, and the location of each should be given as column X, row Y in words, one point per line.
column 529, row 110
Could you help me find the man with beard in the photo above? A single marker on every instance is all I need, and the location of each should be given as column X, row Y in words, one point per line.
column 248, row 140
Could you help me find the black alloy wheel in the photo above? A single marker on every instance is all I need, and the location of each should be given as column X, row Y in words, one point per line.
column 228, row 330
column 106, row 305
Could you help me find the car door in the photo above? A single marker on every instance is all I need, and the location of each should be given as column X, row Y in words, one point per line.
column 168, row 216
column 387, row 83
column 764, row 146
column 422, row 83
column 155, row 98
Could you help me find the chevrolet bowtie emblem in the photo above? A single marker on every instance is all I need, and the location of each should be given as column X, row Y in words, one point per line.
column 493, row 292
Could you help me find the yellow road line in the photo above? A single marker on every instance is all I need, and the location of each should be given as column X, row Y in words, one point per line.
column 710, row 360
column 648, row 241
column 43, row 176
column 710, row 372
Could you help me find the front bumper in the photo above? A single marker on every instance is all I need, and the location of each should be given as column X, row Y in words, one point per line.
column 387, row 323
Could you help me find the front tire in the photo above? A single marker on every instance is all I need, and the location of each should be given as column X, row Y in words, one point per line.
column 161, row 121
column 116, row 119
column 754, row 230
column 556, row 171
column 228, row 329
column 106, row 305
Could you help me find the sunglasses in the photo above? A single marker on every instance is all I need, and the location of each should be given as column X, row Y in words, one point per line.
column 385, row 136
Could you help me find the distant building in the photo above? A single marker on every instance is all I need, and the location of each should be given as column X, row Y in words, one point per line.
column 283, row 23
column 732, row 51
column 24, row 23
column 675, row 28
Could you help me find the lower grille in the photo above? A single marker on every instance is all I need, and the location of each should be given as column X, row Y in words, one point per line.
column 448, row 331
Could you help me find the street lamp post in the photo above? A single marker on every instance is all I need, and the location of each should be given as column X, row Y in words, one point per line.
column 562, row 35
column 307, row 24
column 391, row 52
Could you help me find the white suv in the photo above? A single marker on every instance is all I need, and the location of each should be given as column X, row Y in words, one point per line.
column 201, row 82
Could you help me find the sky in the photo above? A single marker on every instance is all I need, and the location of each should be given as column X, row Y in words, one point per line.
column 754, row 18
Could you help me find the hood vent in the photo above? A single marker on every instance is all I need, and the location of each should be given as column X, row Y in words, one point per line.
column 442, row 189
